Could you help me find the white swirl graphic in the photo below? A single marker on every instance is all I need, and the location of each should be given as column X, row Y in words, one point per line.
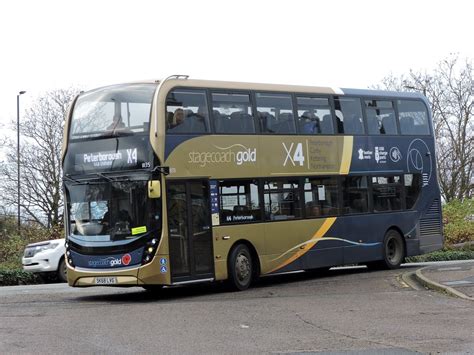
column 419, row 159
column 231, row 146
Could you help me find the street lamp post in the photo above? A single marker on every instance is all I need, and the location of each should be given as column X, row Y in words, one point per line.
column 18, row 151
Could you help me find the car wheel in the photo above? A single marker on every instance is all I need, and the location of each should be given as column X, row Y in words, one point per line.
column 62, row 271
column 240, row 267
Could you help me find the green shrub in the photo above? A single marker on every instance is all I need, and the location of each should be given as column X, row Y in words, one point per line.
column 458, row 221
column 9, row 277
column 11, row 250
column 443, row 255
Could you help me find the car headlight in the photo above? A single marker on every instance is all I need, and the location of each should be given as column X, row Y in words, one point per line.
column 33, row 250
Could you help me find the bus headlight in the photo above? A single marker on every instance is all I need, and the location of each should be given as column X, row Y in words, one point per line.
column 68, row 255
column 150, row 250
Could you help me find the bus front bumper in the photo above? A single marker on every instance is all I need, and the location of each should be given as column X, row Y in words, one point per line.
column 87, row 278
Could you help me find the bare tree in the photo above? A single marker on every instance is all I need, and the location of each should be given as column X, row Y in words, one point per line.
column 450, row 90
column 40, row 160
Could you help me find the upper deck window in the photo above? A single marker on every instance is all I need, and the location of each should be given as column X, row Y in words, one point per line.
column 232, row 113
column 314, row 115
column 186, row 112
column 380, row 117
column 348, row 115
column 112, row 111
column 275, row 113
column 413, row 117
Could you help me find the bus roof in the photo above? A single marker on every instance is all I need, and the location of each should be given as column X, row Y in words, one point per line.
column 292, row 88
column 216, row 84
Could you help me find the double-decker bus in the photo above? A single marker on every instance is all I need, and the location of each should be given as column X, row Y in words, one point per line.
column 184, row 181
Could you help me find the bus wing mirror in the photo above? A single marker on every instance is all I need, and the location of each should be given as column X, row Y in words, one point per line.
column 154, row 189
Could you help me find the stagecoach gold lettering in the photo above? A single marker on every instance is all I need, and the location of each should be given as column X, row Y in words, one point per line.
column 266, row 155
column 223, row 157
column 204, row 158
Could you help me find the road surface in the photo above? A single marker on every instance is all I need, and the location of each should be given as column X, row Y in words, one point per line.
column 347, row 311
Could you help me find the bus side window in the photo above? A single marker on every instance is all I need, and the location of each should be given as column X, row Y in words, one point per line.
column 232, row 113
column 349, row 115
column 387, row 192
column 314, row 115
column 187, row 112
column 275, row 113
column 355, row 194
column 321, row 196
column 413, row 117
column 282, row 199
column 239, row 202
column 380, row 117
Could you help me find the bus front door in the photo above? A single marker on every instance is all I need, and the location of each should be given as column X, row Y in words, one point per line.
column 190, row 234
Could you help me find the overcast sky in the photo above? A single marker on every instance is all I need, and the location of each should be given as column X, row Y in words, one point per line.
column 51, row 44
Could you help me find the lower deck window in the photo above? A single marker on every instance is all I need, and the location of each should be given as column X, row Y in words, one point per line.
column 255, row 200
column 239, row 201
column 321, row 197
column 387, row 192
column 355, row 194
column 282, row 200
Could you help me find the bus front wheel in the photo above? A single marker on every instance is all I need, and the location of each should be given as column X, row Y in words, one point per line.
column 62, row 271
column 240, row 268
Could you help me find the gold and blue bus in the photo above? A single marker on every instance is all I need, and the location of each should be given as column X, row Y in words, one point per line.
column 183, row 181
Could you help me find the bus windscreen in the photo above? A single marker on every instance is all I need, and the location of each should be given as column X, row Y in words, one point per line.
column 112, row 111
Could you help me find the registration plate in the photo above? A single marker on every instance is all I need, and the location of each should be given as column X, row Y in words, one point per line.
column 105, row 280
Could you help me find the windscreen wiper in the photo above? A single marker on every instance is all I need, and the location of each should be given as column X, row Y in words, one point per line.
column 165, row 170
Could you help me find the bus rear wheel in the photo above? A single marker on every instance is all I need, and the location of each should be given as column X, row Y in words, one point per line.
column 393, row 250
column 240, row 267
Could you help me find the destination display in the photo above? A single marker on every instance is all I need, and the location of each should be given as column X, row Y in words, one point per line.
column 124, row 153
